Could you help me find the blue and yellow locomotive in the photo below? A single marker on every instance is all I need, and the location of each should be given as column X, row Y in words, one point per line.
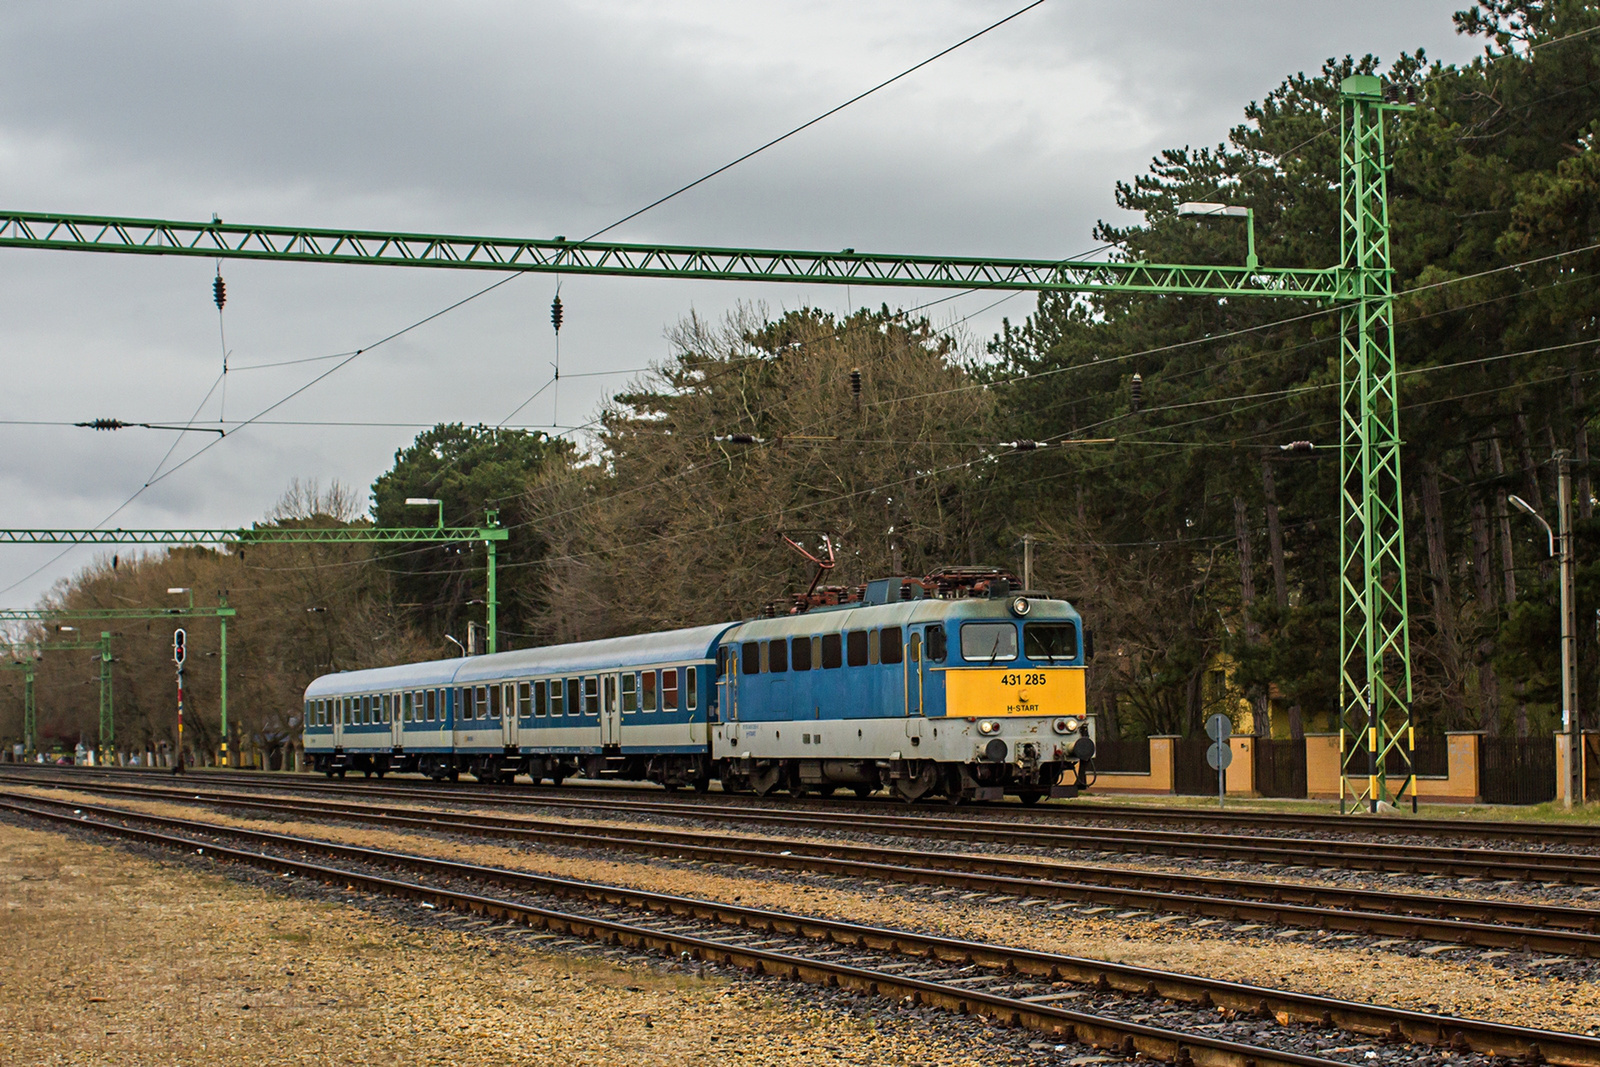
column 951, row 686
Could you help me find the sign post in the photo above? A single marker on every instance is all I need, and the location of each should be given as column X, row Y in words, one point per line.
column 1219, row 728
column 178, row 654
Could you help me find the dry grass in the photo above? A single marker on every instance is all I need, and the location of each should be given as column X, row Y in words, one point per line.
column 107, row 958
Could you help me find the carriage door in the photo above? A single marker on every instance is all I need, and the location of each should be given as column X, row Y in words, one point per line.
column 610, row 712
column 396, row 720
column 508, row 715
column 336, row 712
column 913, row 675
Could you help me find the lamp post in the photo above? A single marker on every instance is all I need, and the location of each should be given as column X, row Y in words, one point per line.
column 427, row 501
column 1202, row 209
column 1560, row 542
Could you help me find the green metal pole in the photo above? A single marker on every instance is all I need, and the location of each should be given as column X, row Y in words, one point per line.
column 491, row 602
column 108, row 738
column 1375, row 690
column 30, row 716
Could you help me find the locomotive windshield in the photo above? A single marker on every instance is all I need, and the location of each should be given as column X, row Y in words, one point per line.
column 988, row 642
column 1050, row 641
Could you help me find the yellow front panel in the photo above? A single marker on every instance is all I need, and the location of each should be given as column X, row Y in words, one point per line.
column 986, row 692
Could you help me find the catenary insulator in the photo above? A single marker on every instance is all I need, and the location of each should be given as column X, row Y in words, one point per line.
column 556, row 313
column 1297, row 446
column 1136, row 391
column 855, row 382
column 219, row 291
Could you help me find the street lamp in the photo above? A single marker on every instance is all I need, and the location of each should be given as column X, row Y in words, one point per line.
column 458, row 644
column 426, row 501
column 1194, row 208
column 1576, row 780
column 179, row 590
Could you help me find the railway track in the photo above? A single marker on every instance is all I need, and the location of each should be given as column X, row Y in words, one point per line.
column 1345, row 854
column 1086, row 1001
column 1078, row 811
column 1485, row 923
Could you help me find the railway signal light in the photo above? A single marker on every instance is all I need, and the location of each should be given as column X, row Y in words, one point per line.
column 179, row 652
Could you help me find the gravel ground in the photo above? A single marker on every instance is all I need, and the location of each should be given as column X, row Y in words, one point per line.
column 1554, row 993
column 112, row 956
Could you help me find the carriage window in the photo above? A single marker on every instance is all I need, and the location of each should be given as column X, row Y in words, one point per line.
column 831, row 656
column 751, row 657
column 591, row 695
column 464, row 702
column 1050, row 641
column 494, row 701
column 405, row 707
column 366, row 710
column 574, row 696
column 669, row 689
column 691, row 694
column 778, row 655
column 855, row 646
column 936, row 644
column 647, row 698
column 890, row 644
column 538, row 698
column 556, row 703
column 388, row 707
column 525, row 699
column 988, row 642
column 872, row 647
column 802, row 654
column 430, row 703
column 630, row 693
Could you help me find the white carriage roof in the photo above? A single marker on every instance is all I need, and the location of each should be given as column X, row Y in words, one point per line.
column 693, row 645
column 405, row 676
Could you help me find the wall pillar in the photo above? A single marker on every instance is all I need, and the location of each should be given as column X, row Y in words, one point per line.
column 1242, row 771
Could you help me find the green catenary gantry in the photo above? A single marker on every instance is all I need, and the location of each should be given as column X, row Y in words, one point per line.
column 1375, row 698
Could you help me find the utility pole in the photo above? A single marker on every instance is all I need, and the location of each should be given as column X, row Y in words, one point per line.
column 1027, row 561
column 1569, row 635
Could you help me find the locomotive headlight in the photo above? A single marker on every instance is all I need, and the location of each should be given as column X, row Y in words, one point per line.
column 1020, row 606
column 988, row 726
column 1067, row 725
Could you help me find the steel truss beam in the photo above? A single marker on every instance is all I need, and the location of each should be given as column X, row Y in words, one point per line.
column 491, row 533
column 213, row 240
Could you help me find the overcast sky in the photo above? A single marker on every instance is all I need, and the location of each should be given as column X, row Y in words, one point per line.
column 536, row 119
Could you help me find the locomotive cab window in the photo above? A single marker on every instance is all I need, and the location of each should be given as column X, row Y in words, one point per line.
column 988, row 642
column 802, row 654
column 893, row 650
column 855, row 647
column 750, row 657
column 1050, row 642
column 669, row 689
column 936, row 644
column 778, row 655
column 832, row 652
